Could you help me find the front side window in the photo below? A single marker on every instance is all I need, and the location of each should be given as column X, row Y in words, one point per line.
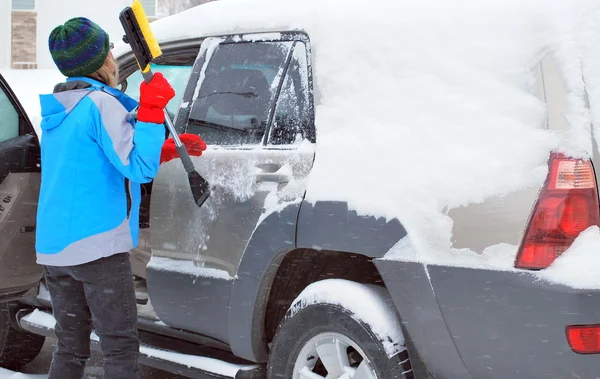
column 9, row 118
column 177, row 76
column 236, row 90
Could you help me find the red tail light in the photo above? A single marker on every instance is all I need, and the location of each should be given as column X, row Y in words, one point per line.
column 584, row 339
column 567, row 205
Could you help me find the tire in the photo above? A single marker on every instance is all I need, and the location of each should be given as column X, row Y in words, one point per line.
column 17, row 347
column 334, row 328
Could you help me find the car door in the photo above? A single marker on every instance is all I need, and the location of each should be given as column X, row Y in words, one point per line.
column 19, row 190
column 248, row 98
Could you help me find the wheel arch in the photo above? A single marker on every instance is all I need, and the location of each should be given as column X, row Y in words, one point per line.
column 327, row 231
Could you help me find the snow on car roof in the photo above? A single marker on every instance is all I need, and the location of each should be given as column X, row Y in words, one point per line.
column 422, row 105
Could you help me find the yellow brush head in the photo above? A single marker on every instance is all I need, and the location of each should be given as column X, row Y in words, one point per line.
column 142, row 19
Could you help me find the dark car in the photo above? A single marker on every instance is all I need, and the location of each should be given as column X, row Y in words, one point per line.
column 261, row 282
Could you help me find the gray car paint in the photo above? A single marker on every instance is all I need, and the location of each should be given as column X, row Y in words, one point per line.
column 188, row 302
column 414, row 298
column 332, row 226
column 512, row 324
column 247, row 181
column 272, row 239
column 329, row 225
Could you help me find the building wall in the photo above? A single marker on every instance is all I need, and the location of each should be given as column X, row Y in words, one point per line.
column 104, row 13
column 5, row 33
column 23, row 39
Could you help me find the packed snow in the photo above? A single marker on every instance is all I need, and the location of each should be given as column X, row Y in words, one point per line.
column 206, row 364
column 579, row 266
column 40, row 318
column 187, row 267
column 367, row 303
column 426, row 106
column 7, row 374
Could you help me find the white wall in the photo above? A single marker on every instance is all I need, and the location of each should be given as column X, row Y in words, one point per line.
column 55, row 12
column 5, row 33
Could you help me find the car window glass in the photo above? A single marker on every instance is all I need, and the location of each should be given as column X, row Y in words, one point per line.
column 236, row 92
column 176, row 75
column 292, row 119
column 9, row 118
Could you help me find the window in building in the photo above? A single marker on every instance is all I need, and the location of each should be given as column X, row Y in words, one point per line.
column 149, row 7
column 23, row 5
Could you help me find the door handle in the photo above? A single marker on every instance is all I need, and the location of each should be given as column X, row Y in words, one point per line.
column 272, row 178
column 269, row 168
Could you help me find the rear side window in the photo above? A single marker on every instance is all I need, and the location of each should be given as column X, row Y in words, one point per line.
column 9, row 118
column 236, row 90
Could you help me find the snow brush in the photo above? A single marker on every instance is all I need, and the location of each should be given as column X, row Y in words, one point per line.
column 144, row 45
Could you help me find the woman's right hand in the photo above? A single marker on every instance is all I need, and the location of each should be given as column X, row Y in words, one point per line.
column 154, row 97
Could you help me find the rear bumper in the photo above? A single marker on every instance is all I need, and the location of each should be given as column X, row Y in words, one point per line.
column 466, row 323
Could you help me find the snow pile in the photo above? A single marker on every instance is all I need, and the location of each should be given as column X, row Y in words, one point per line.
column 368, row 304
column 496, row 257
column 28, row 85
column 579, row 266
column 420, row 105
column 425, row 106
column 187, row 267
column 214, row 366
column 6, row 374
column 40, row 318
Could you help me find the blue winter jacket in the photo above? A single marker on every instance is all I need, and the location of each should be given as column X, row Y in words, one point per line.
column 94, row 156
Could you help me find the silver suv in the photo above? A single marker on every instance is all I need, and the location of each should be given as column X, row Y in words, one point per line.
column 267, row 284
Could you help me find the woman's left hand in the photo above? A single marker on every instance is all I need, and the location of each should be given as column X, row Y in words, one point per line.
column 193, row 143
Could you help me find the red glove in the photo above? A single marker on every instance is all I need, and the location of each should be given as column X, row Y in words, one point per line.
column 154, row 97
column 194, row 144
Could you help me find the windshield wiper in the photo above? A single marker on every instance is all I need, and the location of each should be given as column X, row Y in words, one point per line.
column 248, row 95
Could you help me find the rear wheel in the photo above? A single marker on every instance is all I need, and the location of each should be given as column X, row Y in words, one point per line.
column 17, row 347
column 325, row 340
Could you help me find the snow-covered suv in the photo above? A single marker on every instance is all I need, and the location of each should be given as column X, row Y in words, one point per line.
column 400, row 190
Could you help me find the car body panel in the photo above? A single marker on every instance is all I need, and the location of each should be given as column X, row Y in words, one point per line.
column 272, row 239
column 251, row 183
column 328, row 225
column 426, row 331
column 472, row 323
column 512, row 324
column 225, row 224
column 19, row 191
column 183, row 300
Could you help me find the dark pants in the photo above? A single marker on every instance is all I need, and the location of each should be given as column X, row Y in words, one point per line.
column 99, row 293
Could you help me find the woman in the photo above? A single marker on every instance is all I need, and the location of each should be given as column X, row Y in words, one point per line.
column 93, row 158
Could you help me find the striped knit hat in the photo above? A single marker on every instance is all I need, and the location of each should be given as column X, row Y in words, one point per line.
column 79, row 47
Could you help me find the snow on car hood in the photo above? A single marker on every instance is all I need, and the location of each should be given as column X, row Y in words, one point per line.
column 423, row 106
